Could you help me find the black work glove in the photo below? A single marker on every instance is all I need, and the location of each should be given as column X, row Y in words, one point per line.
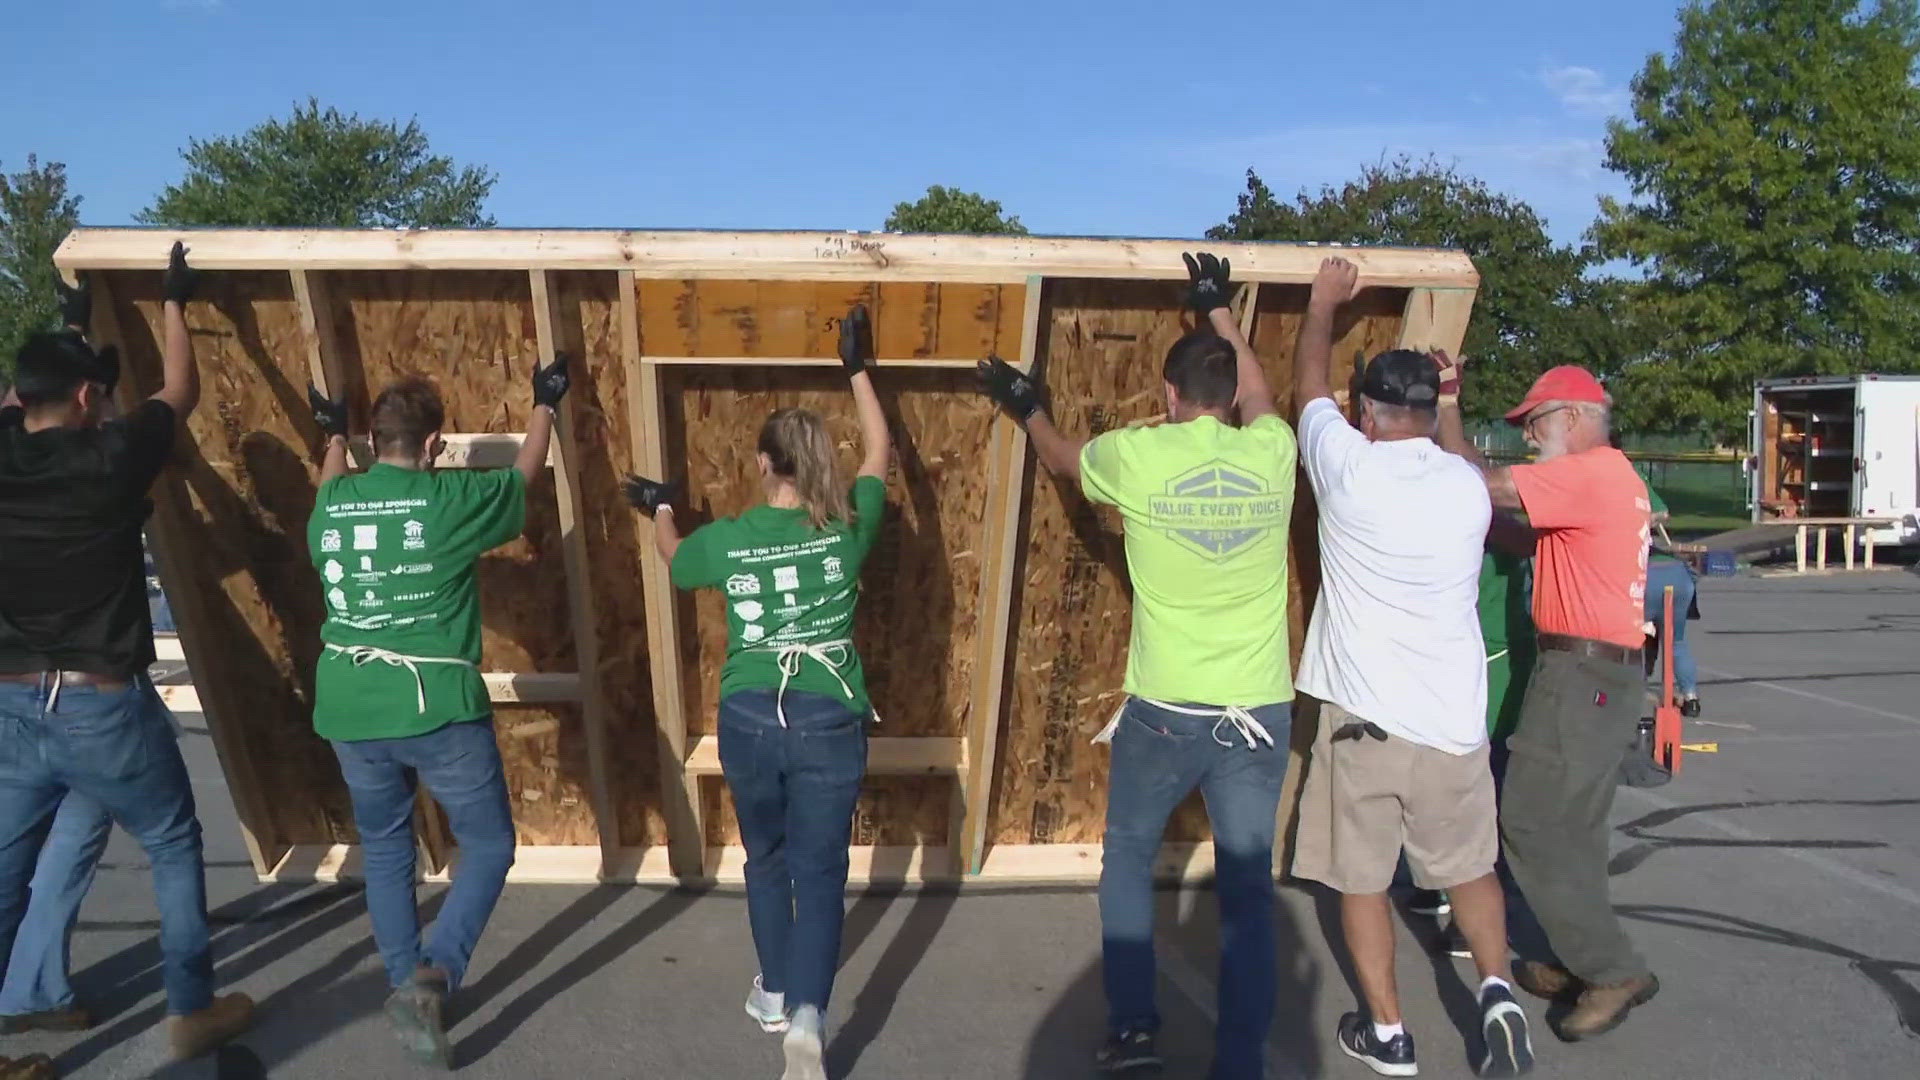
column 106, row 367
column 181, row 278
column 1009, row 388
column 648, row 496
column 76, row 304
column 550, row 383
column 1208, row 284
column 330, row 415
column 856, row 340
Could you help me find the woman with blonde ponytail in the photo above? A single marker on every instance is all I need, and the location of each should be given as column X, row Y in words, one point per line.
column 793, row 696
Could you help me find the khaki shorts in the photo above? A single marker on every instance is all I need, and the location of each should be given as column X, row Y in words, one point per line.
column 1364, row 800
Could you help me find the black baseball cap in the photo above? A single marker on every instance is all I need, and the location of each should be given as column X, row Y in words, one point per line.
column 1402, row 377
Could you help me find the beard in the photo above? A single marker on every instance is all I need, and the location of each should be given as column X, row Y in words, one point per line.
column 1551, row 447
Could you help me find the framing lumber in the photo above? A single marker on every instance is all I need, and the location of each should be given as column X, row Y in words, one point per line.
column 1006, row 485
column 167, row 536
column 550, row 324
column 808, row 361
column 766, row 256
column 920, row 755
column 1436, row 318
column 492, row 450
column 646, row 425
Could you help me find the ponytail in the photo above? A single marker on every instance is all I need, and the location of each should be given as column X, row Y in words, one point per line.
column 796, row 443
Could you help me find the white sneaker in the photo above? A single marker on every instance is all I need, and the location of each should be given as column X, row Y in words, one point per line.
column 805, row 1045
column 767, row 1010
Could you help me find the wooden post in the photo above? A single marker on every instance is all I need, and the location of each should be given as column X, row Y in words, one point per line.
column 167, row 535
column 1853, row 537
column 551, row 325
column 1800, row 548
column 1821, row 545
column 646, row 424
column 1006, row 484
column 1871, row 541
column 1435, row 319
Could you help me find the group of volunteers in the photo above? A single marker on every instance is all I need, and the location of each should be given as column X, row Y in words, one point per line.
column 1424, row 721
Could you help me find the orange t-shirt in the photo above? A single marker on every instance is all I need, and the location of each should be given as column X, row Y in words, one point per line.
column 1590, row 571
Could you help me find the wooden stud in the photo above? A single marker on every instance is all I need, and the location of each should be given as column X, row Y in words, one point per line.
column 1436, row 318
column 503, row 688
column 1800, row 548
column 646, row 422
column 1853, row 537
column 550, row 326
column 167, row 536
column 1820, row 545
column 1006, row 483
column 897, row 756
column 490, row 450
column 807, row 361
column 761, row 256
column 1871, row 541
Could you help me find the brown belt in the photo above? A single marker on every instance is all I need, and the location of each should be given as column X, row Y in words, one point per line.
column 70, row 678
column 1598, row 650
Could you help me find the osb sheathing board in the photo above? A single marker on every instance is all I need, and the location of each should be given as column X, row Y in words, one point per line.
column 460, row 308
column 916, row 620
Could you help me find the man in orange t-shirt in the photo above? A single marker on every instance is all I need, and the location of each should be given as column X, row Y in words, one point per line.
column 1589, row 509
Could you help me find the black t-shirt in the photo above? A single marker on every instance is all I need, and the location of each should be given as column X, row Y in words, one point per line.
column 73, row 581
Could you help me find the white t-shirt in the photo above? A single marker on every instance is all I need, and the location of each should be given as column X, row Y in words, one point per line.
column 1395, row 637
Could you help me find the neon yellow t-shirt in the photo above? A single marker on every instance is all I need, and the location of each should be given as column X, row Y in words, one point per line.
column 1207, row 509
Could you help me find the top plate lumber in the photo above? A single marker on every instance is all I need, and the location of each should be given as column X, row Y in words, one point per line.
column 765, row 256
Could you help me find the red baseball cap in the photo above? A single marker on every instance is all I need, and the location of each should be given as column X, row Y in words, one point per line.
column 1568, row 382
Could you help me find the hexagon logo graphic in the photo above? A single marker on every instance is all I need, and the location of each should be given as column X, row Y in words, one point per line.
column 1218, row 509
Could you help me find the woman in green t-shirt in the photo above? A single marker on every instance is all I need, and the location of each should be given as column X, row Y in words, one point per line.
column 793, row 696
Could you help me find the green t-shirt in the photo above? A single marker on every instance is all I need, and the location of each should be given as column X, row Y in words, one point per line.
column 396, row 550
column 1207, row 509
column 1506, row 624
column 1659, row 507
column 788, row 583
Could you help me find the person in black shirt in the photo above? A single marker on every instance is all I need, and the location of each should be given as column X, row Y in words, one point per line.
column 77, row 711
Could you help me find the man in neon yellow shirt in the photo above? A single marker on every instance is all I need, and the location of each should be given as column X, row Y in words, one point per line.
column 1207, row 504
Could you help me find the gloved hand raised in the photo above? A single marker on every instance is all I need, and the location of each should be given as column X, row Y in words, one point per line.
column 1209, row 282
column 181, row 279
column 856, row 340
column 648, row 496
column 76, row 304
column 329, row 415
column 1449, row 373
column 1009, row 388
column 550, row 383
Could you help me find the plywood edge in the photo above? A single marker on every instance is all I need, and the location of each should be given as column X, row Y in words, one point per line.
column 1436, row 319
column 767, row 256
column 1006, row 483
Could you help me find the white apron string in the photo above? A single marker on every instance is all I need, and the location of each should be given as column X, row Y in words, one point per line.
column 361, row 655
column 1242, row 720
column 832, row 655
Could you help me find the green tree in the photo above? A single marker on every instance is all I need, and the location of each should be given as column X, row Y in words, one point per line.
column 1535, row 307
column 1776, row 200
column 36, row 213
column 950, row 210
column 321, row 169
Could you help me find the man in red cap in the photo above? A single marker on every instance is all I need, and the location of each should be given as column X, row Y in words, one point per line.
column 1589, row 509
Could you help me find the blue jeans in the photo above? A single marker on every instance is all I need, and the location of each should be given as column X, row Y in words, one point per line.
column 1159, row 757
column 37, row 971
column 1660, row 574
column 793, row 790
column 460, row 765
column 117, row 748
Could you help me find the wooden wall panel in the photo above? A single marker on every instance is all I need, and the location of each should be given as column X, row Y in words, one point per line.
column 916, row 622
column 249, row 472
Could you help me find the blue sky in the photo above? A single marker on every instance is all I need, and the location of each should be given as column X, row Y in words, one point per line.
column 1083, row 118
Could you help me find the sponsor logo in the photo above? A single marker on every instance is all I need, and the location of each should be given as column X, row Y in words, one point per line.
column 786, row 578
column 1217, row 510
column 749, row 610
column 835, row 570
column 338, row 599
column 752, row 632
column 416, row 535
column 366, row 537
column 743, row 585
column 330, row 540
column 332, row 572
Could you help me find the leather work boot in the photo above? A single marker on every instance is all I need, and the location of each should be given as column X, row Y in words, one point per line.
column 1603, row 1008
column 198, row 1032
column 71, row 1018
column 1549, row 981
column 31, row 1067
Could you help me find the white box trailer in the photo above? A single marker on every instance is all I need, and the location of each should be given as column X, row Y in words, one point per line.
column 1837, row 446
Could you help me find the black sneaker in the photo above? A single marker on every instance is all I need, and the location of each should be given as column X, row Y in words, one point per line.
column 1504, row 1025
column 1429, row 902
column 1690, row 706
column 1393, row 1057
column 1126, row 1051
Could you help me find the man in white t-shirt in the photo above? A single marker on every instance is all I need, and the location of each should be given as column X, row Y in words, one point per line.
column 1395, row 656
